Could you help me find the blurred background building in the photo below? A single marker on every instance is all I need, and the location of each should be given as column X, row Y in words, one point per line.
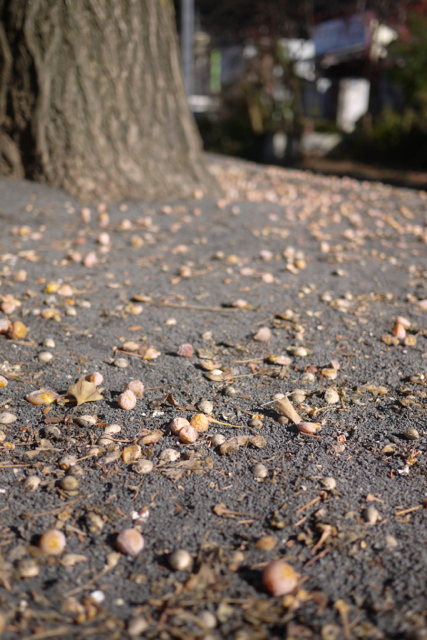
column 282, row 82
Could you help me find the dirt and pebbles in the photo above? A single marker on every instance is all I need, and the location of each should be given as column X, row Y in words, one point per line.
column 327, row 265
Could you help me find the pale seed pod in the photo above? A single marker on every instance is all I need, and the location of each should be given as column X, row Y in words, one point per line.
column 308, row 378
column 200, row 422
column 67, row 461
column 41, row 397
column 230, row 392
column 206, row 406
column 104, row 239
column 298, row 396
column 404, row 322
column 20, row 276
column 268, row 278
column 180, row 560
column 185, row 350
column 51, row 314
column 142, row 467
column 4, row 325
column 257, row 441
column 17, row 331
column 280, row 578
column 131, row 453
column 85, row 214
column 28, row 568
column 136, row 387
column 121, row 363
column 151, row 438
column 188, row 434
column 329, row 483
column 137, row 626
column 90, row 260
column 8, row 306
column 52, row 287
column 53, row 542
column 410, row 341
column 263, row 334
column 130, row 542
column 309, row 427
column 169, row 455
column 127, row 400
column 300, row 352
column 86, row 420
column 130, row 346
column 398, row 331
column 111, row 429
column 45, row 356
column 266, row 255
column 372, row 515
column 283, row 361
column 329, row 374
column 94, row 522
column 65, row 291
column 411, row 434
column 209, row 365
column 7, row 418
column 32, row 483
column 150, row 354
column 3, row 382
column 335, row 364
column 185, row 271
column 69, row 483
column 95, row 377
column 217, row 440
column 177, row 424
column 332, row 396
column 239, row 304
column 260, row 470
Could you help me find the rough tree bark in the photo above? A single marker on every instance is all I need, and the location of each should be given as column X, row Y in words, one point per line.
column 92, row 99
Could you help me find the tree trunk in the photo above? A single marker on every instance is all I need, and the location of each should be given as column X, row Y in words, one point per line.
column 92, row 99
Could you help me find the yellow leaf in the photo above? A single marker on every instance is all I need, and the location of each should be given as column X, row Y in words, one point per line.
column 84, row 391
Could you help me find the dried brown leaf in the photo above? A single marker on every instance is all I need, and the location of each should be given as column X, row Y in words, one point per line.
column 84, row 391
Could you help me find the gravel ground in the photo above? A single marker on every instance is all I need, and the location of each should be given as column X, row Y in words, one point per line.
column 291, row 282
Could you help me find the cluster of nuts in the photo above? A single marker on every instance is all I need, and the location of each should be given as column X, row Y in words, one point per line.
column 399, row 333
column 134, row 391
column 13, row 330
column 188, row 431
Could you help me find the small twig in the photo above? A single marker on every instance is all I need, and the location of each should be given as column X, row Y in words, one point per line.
column 88, row 584
column 194, row 307
column 250, row 413
column 51, row 633
column 309, row 504
column 343, row 608
column 11, row 466
column 137, row 491
column 256, row 324
column 405, row 511
column 319, row 556
column 128, row 353
column 63, row 507
column 92, row 455
column 226, row 424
